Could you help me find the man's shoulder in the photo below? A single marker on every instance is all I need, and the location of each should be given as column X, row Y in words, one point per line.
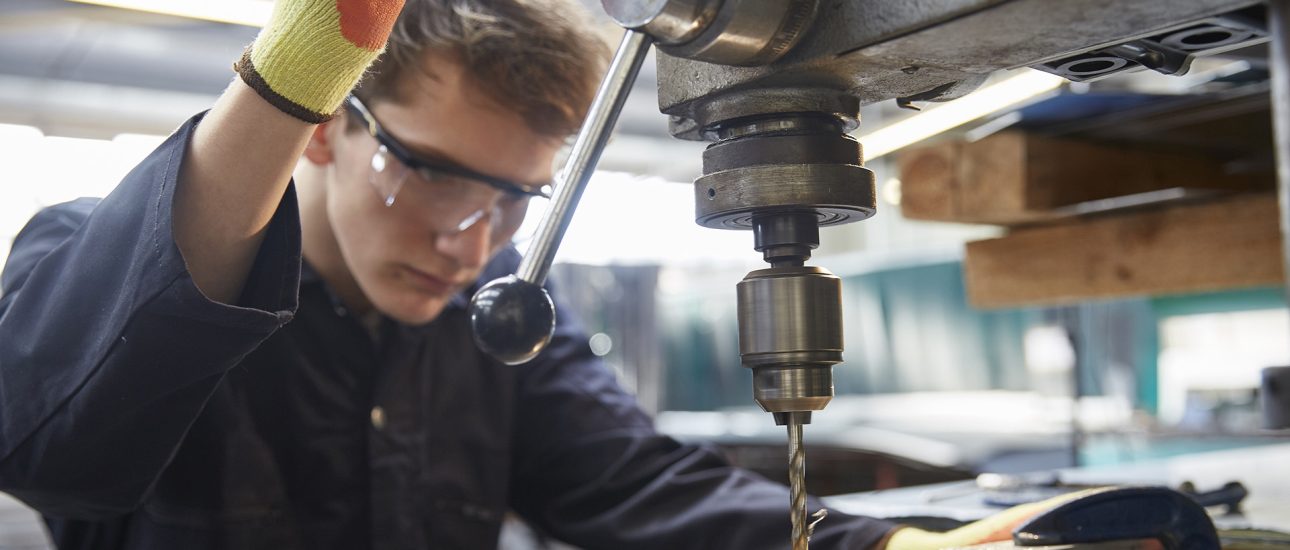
column 503, row 264
column 44, row 231
column 53, row 224
column 70, row 214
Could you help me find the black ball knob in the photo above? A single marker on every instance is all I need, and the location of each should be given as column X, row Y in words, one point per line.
column 512, row 319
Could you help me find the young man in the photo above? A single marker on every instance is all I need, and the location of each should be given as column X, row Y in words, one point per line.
column 211, row 357
column 154, row 394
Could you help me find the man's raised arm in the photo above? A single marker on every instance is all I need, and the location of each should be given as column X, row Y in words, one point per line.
column 240, row 160
column 120, row 318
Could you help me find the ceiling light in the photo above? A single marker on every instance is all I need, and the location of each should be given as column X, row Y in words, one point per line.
column 252, row 13
column 1014, row 90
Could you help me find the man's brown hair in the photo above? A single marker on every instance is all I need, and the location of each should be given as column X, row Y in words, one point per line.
column 540, row 58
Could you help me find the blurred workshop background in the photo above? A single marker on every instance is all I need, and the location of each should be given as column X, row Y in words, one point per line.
column 951, row 369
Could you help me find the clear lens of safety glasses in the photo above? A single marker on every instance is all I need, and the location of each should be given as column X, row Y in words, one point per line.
column 388, row 175
column 454, row 203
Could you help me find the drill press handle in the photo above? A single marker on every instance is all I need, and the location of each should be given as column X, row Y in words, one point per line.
column 727, row 32
column 513, row 317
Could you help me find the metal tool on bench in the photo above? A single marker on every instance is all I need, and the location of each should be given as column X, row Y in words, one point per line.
column 776, row 86
column 1006, row 490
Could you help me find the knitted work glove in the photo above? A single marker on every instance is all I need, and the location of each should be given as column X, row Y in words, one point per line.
column 313, row 52
column 995, row 528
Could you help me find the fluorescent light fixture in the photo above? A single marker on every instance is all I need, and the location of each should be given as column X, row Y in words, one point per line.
column 1016, row 89
column 252, row 13
column 18, row 132
column 150, row 141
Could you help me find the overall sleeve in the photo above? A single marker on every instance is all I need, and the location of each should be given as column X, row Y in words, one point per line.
column 108, row 351
column 591, row 470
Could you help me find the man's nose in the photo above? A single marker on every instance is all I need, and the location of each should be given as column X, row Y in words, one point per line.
column 469, row 246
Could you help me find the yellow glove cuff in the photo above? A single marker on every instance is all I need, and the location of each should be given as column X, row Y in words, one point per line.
column 313, row 52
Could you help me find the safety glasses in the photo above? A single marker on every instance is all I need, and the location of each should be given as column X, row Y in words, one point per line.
column 455, row 197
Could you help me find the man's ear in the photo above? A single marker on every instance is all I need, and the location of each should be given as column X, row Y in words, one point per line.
column 320, row 149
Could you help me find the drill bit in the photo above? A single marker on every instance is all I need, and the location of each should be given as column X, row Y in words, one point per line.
column 797, row 484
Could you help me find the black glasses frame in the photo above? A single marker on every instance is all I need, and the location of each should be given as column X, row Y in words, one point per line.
column 419, row 164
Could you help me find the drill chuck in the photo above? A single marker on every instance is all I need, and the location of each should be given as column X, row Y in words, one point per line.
column 790, row 334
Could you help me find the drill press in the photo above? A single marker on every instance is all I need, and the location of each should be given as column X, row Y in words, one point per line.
column 775, row 85
column 781, row 165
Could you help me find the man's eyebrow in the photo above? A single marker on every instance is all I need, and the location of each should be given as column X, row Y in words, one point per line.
column 435, row 156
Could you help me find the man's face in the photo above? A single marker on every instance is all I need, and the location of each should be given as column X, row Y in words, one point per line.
column 409, row 258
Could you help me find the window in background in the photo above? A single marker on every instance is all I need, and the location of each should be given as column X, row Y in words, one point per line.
column 1050, row 358
column 42, row 170
column 1210, row 363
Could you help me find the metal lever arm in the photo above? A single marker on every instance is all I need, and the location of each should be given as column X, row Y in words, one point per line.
column 513, row 317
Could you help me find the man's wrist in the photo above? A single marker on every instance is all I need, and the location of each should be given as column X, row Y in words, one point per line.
column 882, row 543
column 311, row 54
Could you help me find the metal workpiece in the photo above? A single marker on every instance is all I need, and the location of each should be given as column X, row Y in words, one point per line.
column 790, row 334
column 512, row 318
column 932, row 49
column 727, row 32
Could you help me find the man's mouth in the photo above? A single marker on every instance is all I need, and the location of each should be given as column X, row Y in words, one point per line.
column 428, row 283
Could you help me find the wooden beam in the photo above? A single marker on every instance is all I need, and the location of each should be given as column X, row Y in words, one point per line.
column 1015, row 178
column 1215, row 245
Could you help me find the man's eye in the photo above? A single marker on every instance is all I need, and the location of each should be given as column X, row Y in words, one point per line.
column 440, row 179
column 430, row 176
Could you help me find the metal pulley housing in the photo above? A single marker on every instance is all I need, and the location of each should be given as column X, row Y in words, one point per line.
column 791, row 163
column 726, row 32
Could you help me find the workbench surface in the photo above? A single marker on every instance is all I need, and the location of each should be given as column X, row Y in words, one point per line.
column 1264, row 470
